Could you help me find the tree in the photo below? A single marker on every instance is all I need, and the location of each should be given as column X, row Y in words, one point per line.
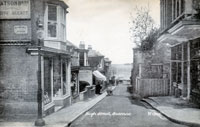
column 143, row 31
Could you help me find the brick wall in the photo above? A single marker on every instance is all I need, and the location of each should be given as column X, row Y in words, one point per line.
column 18, row 83
column 7, row 30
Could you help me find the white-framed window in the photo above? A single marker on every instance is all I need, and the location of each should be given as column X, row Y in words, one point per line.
column 52, row 23
column 55, row 23
column 62, row 24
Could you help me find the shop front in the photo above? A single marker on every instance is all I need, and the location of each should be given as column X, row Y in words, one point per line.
column 185, row 70
column 75, row 84
column 195, row 71
column 55, row 79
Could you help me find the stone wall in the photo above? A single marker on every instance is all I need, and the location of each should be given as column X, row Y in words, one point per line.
column 145, row 62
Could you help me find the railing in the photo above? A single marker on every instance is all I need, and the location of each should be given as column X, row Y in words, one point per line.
column 152, row 87
column 174, row 22
column 180, row 17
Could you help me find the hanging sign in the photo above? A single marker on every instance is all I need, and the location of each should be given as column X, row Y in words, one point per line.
column 14, row 9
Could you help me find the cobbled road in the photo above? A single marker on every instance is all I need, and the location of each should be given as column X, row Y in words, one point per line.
column 120, row 110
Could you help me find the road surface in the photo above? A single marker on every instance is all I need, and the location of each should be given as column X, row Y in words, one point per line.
column 120, row 110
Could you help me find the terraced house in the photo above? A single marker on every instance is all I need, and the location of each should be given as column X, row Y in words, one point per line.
column 34, row 63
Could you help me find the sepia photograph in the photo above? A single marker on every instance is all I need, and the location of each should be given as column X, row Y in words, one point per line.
column 99, row 63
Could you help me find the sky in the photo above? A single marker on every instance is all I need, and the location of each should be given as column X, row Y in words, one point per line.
column 105, row 25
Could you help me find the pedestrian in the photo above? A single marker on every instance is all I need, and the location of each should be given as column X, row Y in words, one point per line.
column 98, row 88
column 109, row 90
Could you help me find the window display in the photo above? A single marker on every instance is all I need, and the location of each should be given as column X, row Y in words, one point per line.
column 47, row 80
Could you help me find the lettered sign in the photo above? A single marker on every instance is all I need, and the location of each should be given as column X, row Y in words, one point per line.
column 14, row 9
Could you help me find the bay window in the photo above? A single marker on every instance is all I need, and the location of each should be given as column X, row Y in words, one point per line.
column 62, row 24
column 52, row 21
column 55, row 22
column 178, row 7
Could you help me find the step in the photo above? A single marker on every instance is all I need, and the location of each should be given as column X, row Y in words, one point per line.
column 57, row 108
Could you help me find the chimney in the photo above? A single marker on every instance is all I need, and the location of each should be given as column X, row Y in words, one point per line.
column 82, row 45
column 89, row 47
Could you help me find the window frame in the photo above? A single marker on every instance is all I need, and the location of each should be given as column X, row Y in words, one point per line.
column 59, row 23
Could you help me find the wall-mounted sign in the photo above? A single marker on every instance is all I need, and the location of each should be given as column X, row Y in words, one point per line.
column 21, row 29
column 14, row 9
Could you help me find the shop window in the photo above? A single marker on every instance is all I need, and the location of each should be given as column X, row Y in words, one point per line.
column 173, row 53
column 178, row 80
column 74, row 83
column 185, row 72
column 195, row 64
column 176, row 72
column 195, row 49
column 47, row 81
column 177, row 53
column 195, row 74
column 185, row 57
column 64, row 74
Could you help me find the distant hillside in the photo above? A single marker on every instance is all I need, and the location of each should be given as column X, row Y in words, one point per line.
column 122, row 70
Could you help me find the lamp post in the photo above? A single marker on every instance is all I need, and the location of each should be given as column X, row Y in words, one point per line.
column 39, row 121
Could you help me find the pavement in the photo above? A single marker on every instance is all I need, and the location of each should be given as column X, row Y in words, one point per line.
column 65, row 116
column 120, row 110
column 176, row 110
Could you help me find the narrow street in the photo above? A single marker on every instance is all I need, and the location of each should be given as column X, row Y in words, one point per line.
column 120, row 111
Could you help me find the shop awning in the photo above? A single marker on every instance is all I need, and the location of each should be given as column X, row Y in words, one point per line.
column 99, row 75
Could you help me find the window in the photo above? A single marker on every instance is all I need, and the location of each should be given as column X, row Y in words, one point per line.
column 52, row 21
column 74, row 83
column 182, row 6
column 81, row 58
column 62, row 24
column 48, row 93
column 178, row 7
column 64, row 74
column 56, row 22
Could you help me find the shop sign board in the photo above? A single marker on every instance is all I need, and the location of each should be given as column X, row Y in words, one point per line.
column 14, row 9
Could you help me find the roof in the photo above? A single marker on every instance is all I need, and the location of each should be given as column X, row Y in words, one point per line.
column 94, row 53
column 71, row 44
column 107, row 60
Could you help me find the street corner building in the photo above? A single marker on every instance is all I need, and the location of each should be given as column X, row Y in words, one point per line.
column 173, row 66
column 180, row 30
column 34, row 59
